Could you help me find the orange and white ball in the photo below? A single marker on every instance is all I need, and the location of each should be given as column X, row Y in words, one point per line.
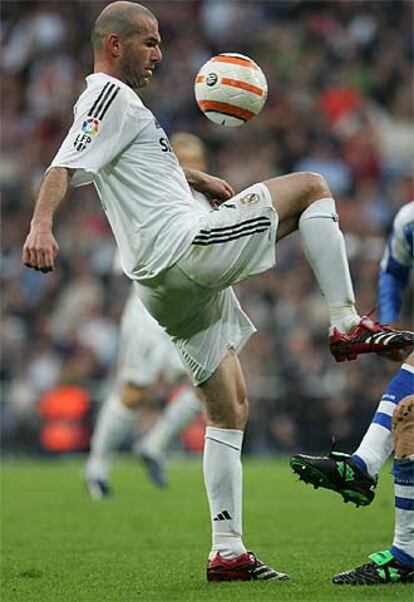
column 230, row 89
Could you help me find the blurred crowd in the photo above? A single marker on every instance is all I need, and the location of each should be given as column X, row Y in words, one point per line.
column 340, row 103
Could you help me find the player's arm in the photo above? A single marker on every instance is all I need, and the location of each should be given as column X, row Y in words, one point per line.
column 211, row 186
column 392, row 281
column 395, row 265
column 97, row 135
column 40, row 247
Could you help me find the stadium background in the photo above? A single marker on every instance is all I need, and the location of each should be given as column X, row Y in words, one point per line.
column 340, row 103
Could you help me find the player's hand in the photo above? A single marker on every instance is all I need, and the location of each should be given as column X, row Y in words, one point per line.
column 40, row 249
column 217, row 189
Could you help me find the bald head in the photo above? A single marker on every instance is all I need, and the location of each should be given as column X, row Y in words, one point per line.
column 120, row 18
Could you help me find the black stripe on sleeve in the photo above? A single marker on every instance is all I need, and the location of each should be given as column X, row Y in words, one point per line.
column 108, row 104
column 102, row 92
column 103, row 101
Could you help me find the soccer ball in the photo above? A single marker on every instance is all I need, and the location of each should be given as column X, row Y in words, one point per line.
column 230, row 89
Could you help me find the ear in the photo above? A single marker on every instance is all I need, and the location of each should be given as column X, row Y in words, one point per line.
column 113, row 45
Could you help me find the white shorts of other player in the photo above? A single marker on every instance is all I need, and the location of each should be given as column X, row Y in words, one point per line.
column 145, row 350
column 193, row 300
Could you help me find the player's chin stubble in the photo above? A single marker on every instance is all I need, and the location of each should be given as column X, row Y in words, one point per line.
column 130, row 76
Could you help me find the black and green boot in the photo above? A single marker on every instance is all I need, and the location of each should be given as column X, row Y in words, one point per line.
column 338, row 472
column 384, row 568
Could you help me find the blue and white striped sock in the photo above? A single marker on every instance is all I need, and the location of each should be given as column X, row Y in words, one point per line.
column 403, row 545
column 377, row 443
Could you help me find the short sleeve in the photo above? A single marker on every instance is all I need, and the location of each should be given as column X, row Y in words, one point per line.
column 400, row 243
column 104, row 124
column 403, row 228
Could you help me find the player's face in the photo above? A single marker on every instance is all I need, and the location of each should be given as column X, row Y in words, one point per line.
column 141, row 54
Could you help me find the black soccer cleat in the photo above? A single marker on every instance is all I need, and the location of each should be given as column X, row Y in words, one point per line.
column 383, row 569
column 154, row 468
column 98, row 488
column 337, row 472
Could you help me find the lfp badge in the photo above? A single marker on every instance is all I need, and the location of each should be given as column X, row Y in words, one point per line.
column 90, row 127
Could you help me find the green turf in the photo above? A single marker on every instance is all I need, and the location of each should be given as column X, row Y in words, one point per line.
column 146, row 544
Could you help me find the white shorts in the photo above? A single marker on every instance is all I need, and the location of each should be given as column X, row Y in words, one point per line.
column 237, row 241
column 193, row 300
column 145, row 350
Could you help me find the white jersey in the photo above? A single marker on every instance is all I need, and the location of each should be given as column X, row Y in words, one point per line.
column 116, row 143
column 199, row 197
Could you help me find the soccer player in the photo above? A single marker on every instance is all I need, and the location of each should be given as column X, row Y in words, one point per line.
column 183, row 260
column 145, row 354
column 392, row 428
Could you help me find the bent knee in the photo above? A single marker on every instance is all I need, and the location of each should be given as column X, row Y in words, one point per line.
column 314, row 186
column 403, row 427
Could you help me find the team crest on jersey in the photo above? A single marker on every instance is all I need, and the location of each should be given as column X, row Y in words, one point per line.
column 250, row 199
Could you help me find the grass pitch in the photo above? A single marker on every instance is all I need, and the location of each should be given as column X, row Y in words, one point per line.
column 146, row 544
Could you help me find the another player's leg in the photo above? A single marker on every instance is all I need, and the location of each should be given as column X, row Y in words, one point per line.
column 224, row 394
column 337, row 472
column 183, row 407
column 395, row 565
column 115, row 421
column 354, row 476
column 377, row 444
column 303, row 201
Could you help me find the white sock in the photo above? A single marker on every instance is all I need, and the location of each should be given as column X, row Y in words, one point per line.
column 324, row 247
column 375, row 448
column 223, row 480
column 183, row 408
column 114, row 422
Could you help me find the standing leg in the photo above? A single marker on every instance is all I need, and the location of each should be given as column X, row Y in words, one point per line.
column 227, row 410
column 115, row 421
column 354, row 476
column 184, row 406
column 403, row 471
column 224, row 394
column 395, row 565
column 377, row 443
